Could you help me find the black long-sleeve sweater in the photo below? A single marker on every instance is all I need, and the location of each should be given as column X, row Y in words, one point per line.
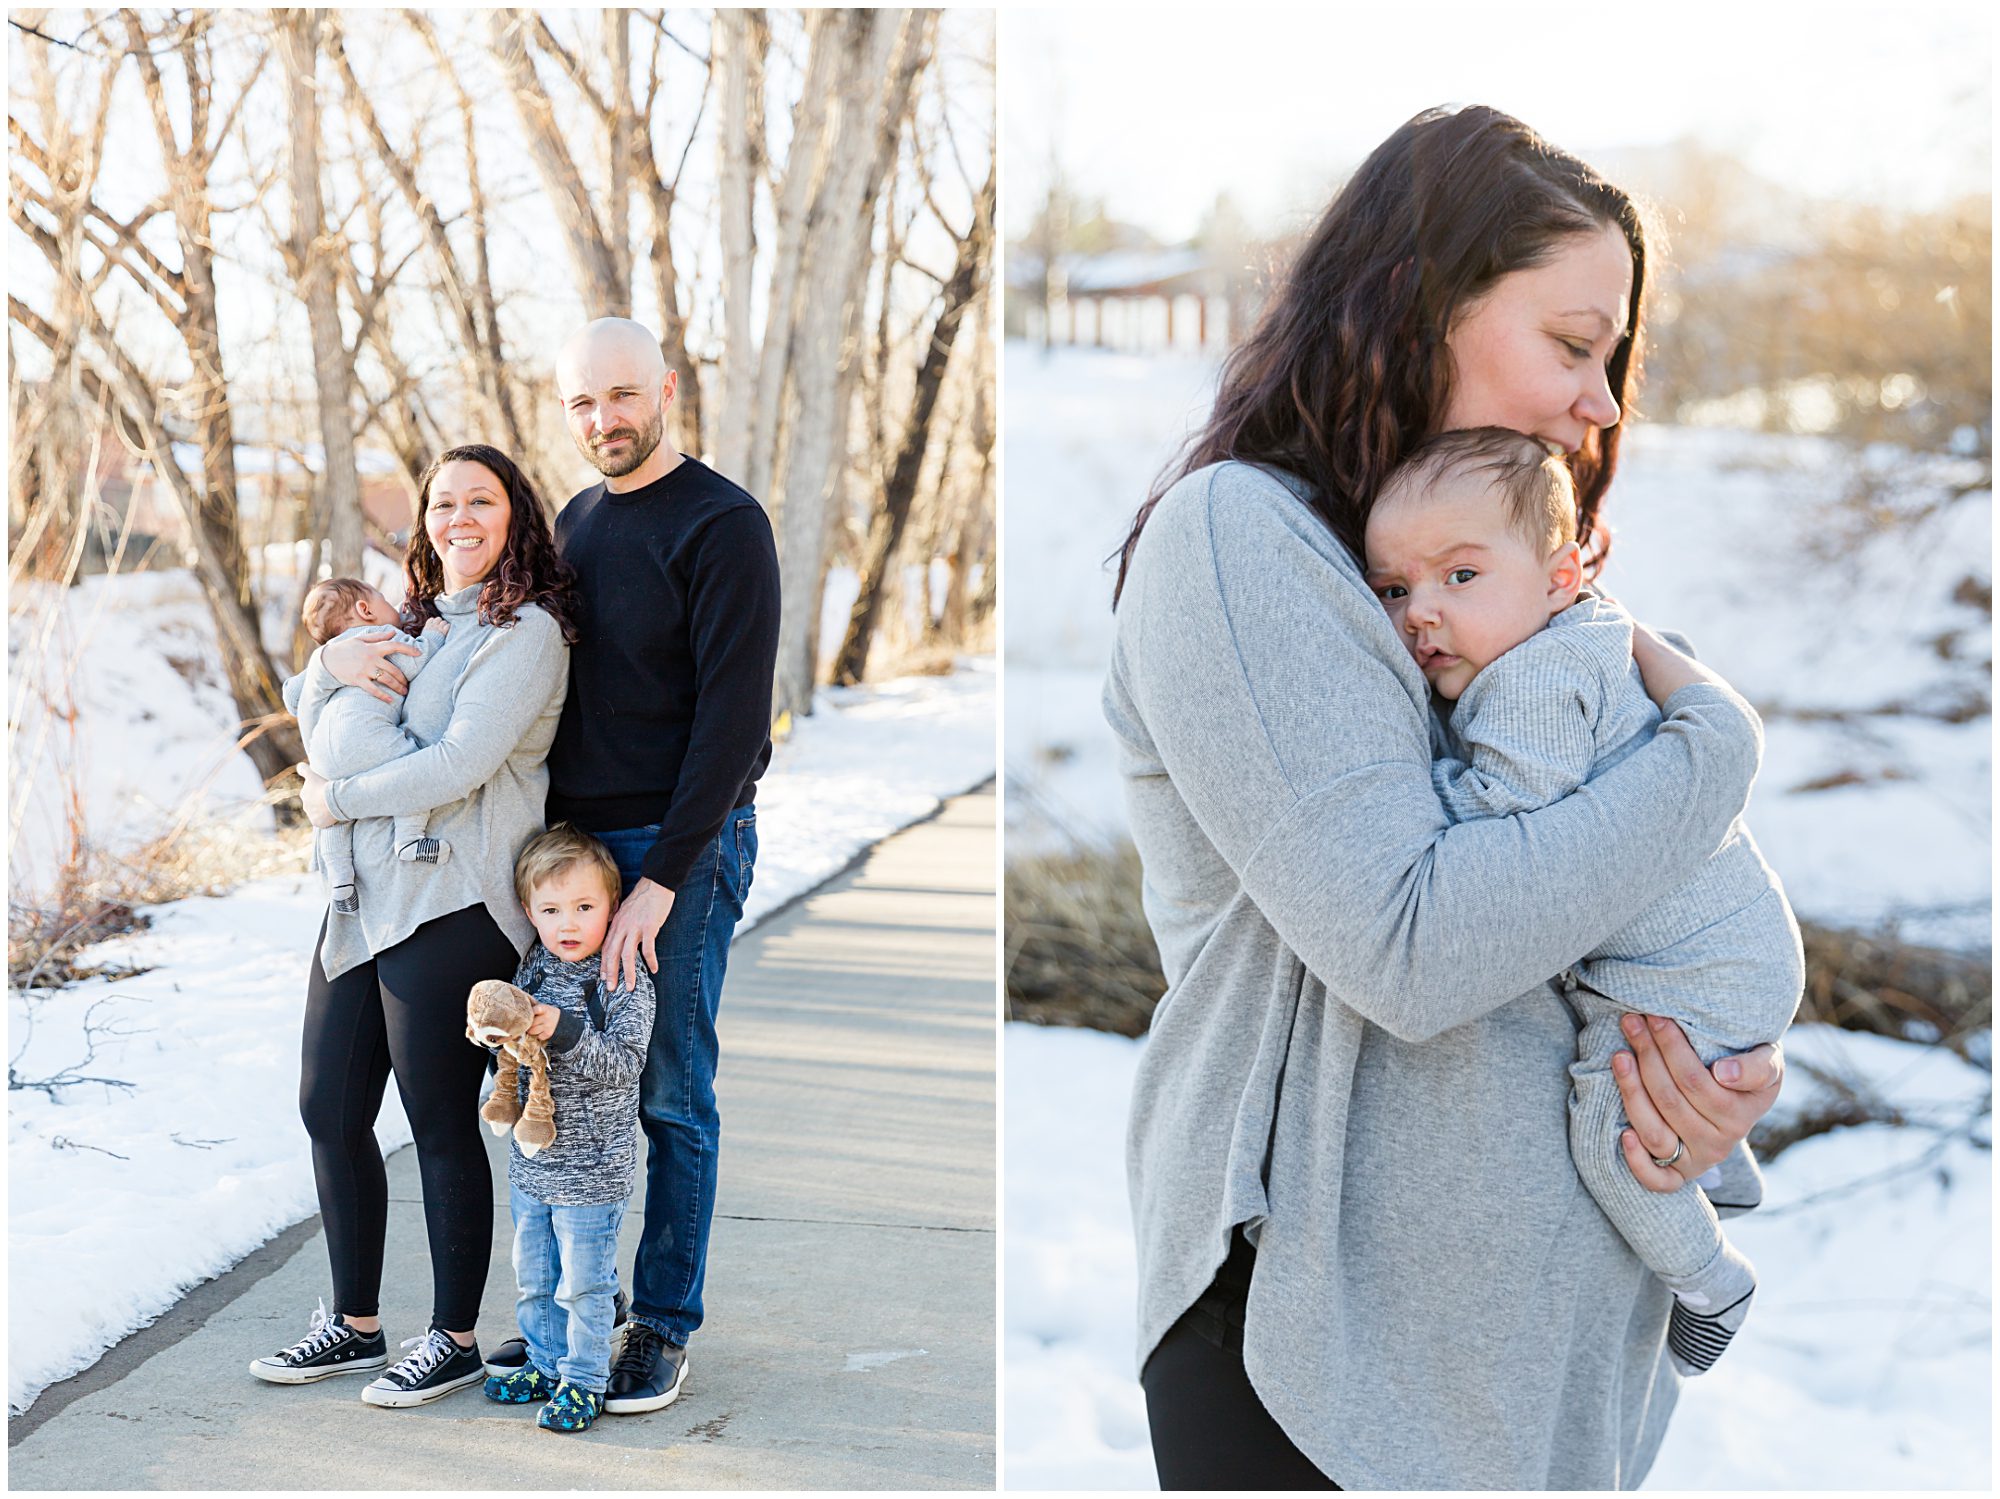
column 668, row 718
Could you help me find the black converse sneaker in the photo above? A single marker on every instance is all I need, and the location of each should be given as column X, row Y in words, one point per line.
column 434, row 1367
column 330, row 1348
column 512, row 1356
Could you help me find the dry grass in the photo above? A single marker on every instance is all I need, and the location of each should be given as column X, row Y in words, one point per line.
column 1079, row 953
column 98, row 894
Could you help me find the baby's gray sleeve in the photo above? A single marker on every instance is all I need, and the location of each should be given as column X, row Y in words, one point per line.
column 1525, row 727
column 427, row 647
column 306, row 693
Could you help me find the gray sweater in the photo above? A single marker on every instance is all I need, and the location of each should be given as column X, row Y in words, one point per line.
column 593, row 1078
column 1360, row 1053
column 482, row 715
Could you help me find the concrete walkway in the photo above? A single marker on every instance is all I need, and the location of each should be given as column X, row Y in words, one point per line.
column 849, row 1342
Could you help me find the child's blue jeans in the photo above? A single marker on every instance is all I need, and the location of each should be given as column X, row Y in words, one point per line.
column 566, row 1268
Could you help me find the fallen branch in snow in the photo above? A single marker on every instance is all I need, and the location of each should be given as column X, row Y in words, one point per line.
column 201, row 1144
column 63, row 1142
column 72, row 1076
column 48, row 1085
column 1965, row 1129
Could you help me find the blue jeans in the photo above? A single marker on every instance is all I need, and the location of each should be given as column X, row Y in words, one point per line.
column 677, row 1090
column 566, row 1266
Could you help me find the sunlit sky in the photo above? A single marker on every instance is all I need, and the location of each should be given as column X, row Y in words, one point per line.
column 1159, row 110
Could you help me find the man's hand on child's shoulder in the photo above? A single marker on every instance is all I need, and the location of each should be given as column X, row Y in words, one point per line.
column 543, row 1025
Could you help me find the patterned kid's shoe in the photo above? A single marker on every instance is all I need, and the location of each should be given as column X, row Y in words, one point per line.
column 520, row 1387
column 513, row 1354
column 434, row 1368
column 330, row 1347
column 570, row 1409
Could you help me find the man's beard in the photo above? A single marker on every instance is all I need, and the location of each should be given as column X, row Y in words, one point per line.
column 642, row 445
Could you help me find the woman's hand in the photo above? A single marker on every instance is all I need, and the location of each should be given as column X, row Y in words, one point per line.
column 312, row 796
column 363, row 662
column 543, row 1025
column 1665, row 670
column 1671, row 1099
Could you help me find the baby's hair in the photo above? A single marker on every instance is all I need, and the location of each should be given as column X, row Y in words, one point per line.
column 1536, row 483
column 330, row 606
column 552, row 854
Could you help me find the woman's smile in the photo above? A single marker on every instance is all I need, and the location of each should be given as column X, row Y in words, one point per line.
column 467, row 518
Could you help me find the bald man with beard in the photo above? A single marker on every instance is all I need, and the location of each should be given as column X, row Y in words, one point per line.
column 663, row 737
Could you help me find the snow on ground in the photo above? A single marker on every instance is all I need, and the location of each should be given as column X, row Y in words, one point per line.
column 120, row 1200
column 1727, row 536
column 1866, row 1364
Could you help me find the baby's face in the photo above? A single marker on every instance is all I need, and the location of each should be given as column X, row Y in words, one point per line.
column 1461, row 584
column 373, row 609
column 571, row 912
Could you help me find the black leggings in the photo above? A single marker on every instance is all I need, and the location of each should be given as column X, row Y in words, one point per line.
column 404, row 1010
column 1210, row 1431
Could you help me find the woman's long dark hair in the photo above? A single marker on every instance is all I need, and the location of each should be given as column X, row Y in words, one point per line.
column 1347, row 368
column 529, row 571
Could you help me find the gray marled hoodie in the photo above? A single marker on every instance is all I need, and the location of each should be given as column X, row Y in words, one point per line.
column 594, row 1078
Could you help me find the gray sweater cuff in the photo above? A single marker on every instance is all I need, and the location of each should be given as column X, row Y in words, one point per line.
column 569, row 1031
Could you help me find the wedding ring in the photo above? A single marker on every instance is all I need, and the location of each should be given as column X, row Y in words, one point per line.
column 1680, row 1149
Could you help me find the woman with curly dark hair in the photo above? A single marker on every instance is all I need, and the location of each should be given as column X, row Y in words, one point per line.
column 388, row 984
column 1365, row 1256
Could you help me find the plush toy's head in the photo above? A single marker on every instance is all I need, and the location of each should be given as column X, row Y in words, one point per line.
column 495, row 1011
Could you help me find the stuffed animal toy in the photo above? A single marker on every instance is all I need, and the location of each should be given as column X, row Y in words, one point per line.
column 497, row 1016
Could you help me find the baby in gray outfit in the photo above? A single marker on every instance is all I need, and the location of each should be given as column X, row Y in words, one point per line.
column 352, row 730
column 1472, row 550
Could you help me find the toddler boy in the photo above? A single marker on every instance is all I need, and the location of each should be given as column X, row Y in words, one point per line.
column 1471, row 547
column 352, row 730
column 569, row 1198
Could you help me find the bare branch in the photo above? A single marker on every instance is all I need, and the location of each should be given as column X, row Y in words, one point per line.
column 566, row 60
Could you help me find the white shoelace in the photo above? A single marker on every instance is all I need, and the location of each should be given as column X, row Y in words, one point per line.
column 321, row 1336
column 433, row 1348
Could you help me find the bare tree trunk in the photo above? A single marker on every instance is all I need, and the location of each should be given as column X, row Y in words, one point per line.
column 309, row 255
column 603, row 274
column 212, row 512
column 742, row 38
column 883, row 53
column 886, row 532
column 829, row 37
column 972, row 531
